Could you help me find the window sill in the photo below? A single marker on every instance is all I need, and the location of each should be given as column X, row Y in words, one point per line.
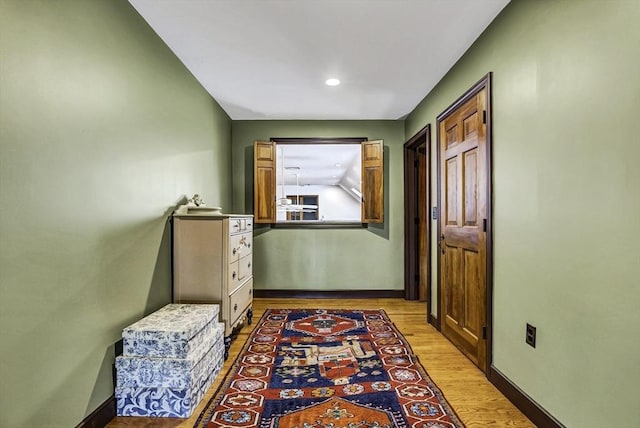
column 301, row 224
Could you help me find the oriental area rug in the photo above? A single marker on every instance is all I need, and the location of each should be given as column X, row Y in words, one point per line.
column 327, row 368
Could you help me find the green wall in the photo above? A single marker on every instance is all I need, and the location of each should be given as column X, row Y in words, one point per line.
column 102, row 132
column 326, row 259
column 566, row 79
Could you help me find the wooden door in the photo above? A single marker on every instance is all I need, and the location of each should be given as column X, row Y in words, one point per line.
column 417, row 201
column 423, row 224
column 463, row 176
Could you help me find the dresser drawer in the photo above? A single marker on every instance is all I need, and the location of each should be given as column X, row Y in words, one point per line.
column 238, row 272
column 245, row 244
column 244, row 266
column 234, row 245
column 234, row 275
column 240, row 246
column 240, row 225
column 240, row 300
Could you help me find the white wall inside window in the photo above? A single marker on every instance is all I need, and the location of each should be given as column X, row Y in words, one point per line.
column 334, row 203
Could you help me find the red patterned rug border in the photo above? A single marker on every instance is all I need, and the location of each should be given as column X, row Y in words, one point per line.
column 205, row 415
column 209, row 408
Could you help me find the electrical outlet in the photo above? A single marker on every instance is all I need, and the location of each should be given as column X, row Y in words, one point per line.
column 530, row 335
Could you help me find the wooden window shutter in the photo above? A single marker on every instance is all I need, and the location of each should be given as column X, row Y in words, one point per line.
column 372, row 182
column 264, row 182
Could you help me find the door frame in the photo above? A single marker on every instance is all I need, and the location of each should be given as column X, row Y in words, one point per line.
column 483, row 83
column 411, row 242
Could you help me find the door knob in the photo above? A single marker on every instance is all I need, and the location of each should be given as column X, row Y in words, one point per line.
column 442, row 245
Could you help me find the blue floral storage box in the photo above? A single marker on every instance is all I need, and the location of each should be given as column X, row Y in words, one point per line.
column 170, row 358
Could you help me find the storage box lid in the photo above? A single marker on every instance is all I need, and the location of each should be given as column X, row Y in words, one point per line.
column 176, row 321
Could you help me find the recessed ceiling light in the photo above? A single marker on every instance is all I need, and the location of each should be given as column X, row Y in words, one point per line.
column 338, row 165
column 332, row 82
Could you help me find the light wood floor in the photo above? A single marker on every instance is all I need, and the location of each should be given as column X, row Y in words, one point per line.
column 477, row 402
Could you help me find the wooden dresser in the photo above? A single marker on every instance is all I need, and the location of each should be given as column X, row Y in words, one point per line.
column 212, row 258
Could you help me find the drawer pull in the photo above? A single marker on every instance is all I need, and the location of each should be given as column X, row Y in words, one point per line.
column 235, row 251
column 235, row 307
column 233, row 275
column 249, row 245
column 250, row 292
column 249, row 265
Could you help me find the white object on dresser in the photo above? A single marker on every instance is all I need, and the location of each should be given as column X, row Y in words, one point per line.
column 212, row 258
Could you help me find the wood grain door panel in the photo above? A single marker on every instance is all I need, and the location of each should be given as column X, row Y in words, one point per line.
column 372, row 181
column 463, row 209
column 264, row 182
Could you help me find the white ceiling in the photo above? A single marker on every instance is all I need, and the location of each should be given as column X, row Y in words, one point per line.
column 268, row 59
column 320, row 164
